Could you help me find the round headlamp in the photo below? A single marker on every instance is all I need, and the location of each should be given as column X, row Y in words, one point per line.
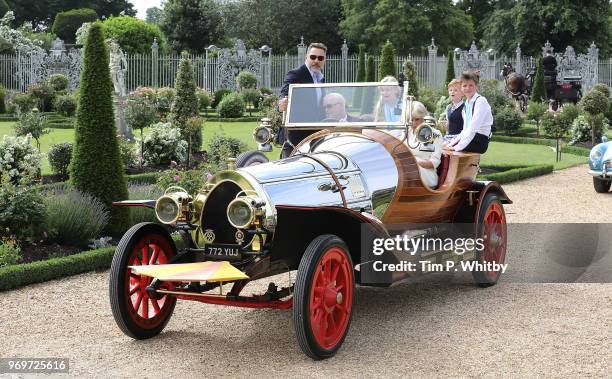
column 262, row 135
column 596, row 155
column 240, row 213
column 167, row 210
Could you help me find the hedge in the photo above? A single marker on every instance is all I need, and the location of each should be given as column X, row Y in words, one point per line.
column 42, row 271
column 575, row 150
column 145, row 177
column 514, row 173
column 237, row 119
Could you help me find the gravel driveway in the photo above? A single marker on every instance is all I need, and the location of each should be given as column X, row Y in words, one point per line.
column 422, row 330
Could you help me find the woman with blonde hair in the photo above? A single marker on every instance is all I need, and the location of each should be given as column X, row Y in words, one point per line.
column 388, row 102
column 428, row 156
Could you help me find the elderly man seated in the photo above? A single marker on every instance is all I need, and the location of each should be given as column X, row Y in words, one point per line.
column 335, row 108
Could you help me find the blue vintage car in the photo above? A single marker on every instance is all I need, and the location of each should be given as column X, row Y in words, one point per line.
column 600, row 164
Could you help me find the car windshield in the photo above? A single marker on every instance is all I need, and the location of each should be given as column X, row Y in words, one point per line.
column 355, row 104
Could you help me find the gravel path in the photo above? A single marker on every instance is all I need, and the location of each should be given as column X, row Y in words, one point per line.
column 420, row 330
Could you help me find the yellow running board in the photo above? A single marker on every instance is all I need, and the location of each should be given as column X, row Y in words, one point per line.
column 221, row 271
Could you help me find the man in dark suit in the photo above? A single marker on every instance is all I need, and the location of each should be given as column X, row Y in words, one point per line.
column 309, row 100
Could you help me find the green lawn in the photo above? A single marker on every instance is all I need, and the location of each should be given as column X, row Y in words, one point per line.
column 518, row 154
column 498, row 153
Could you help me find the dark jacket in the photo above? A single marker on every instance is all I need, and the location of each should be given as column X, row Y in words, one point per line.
column 301, row 75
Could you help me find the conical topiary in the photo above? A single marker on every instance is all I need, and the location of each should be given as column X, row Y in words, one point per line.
column 387, row 61
column 185, row 105
column 450, row 68
column 538, row 93
column 410, row 74
column 96, row 167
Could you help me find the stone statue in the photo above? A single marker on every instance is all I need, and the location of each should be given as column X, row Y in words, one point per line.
column 118, row 68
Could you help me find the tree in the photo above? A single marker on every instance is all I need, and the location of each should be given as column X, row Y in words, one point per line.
column 368, row 98
column 192, row 24
column 535, row 111
column 479, row 11
column 66, row 23
column 387, row 61
column 135, row 36
column 409, row 71
column 374, row 22
column 563, row 23
column 594, row 103
column 96, row 167
column 154, row 15
column 42, row 12
column 538, row 93
column 360, row 75
column 264, row 22
column 185, row 103
column 450, row 68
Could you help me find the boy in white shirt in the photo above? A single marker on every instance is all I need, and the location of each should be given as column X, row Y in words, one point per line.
column 477, row 118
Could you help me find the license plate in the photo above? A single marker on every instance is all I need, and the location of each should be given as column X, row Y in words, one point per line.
column 222, row 251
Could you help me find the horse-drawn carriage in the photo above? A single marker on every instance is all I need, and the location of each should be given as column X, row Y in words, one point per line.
column 560, row 88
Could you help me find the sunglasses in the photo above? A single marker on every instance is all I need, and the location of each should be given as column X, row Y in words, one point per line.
column 328, row 106
column 320, row 58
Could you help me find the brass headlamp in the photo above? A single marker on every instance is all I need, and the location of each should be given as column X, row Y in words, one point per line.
column 173, row 205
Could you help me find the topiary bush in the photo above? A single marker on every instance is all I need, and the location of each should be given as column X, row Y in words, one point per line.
column 163, row 144
column 231, row 106
column 43, row 94
column 538, row 92
column 21, row 102
column 507, row 120
column 265, row 91
column 65, row 105
column 222, row 147
column 73, row 218
column 66, row 23
column 59, row 82
column 59, row 156
column 21, row 211
column 185, row 103
column 535, row 111
column 19, row 160
column 139, row 113
column 409, row 70
column 387, row 61
column 246, row 79
column 163, row 101
column 251, row 96
column 450, row 68
column 268, row 102
column 205, row 99
column 218, row 96
column 96, row 166
column 603, row 88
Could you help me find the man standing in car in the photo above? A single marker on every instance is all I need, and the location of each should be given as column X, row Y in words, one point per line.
column 308, row 73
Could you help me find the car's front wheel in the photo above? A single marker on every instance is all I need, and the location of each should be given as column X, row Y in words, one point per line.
column 601, row 186
column 323, row 298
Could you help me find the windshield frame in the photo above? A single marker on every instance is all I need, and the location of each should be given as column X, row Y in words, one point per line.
column 388, row 125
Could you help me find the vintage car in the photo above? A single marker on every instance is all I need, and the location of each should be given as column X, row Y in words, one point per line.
column 600, row 165
column 317, row 211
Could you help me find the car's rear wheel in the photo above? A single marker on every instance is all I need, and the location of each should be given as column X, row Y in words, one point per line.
column 138, row 314
column 251, row 158
column 601, row 186
column 493, row 231
column 323, row 298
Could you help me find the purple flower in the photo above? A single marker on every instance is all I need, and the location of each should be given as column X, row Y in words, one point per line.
column 176, row 178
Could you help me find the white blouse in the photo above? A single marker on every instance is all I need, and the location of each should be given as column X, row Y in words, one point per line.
column 480, row 121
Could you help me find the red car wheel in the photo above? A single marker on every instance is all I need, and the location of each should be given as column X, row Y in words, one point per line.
column 323, row 297
column 138, row 314
column 493, row 231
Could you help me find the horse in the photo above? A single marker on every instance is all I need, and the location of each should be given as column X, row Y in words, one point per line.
column 516, row 85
